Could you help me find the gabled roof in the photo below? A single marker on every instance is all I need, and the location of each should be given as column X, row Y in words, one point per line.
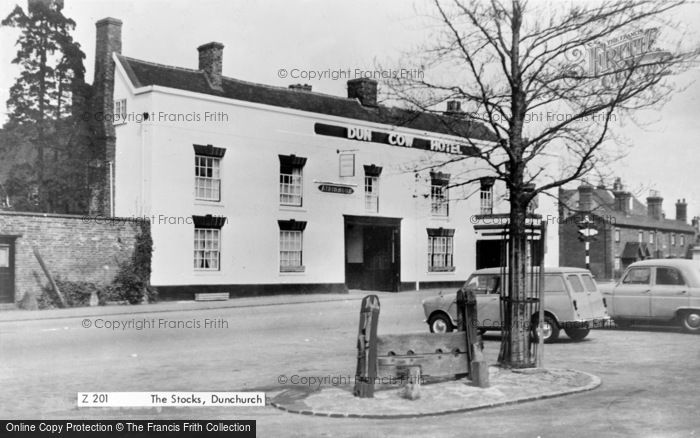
column 603, row 206
column 143, row 73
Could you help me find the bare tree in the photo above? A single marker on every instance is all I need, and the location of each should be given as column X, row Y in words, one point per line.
column 548, row 80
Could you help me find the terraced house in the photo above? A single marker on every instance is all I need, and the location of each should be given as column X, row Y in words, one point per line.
column 627, row 229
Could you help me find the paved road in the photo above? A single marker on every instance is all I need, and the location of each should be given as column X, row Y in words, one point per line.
column 650, row 377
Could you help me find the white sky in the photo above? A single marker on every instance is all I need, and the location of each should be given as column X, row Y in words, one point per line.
column 261, row 37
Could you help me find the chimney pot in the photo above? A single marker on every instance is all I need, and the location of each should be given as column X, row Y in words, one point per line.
column 617, row 185
column 585, row 197
column 300, row 87
column 681, row 210
column 622, row 201
column 363, row 89
column 654, row 205
column 211, row 59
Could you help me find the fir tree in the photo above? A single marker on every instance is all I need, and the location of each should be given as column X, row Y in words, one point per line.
column 45, row 112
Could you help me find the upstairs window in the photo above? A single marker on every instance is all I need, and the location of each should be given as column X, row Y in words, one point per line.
column 291, row 180
column 119, row 111
column 372, row 188
column 486, row 195
column 617, row 234
column 439, row 196
column 207, row 172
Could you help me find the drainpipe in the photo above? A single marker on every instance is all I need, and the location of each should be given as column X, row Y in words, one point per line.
column 111, row 188
column 142, row 184
column 416, row 199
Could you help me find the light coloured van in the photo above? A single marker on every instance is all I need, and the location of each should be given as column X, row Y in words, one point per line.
column 572, row 302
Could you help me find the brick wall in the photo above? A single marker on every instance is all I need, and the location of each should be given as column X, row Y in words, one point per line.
column 572, row 251
column 604, row 249
column 73, row 247
column 662, row 242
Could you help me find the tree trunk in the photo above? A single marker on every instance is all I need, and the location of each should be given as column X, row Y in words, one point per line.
column 515, row 345
column 514, row 351
column 40, row 174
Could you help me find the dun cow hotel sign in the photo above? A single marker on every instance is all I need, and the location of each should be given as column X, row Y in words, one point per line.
column 394, row 139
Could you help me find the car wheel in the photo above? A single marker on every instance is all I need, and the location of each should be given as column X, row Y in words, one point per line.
column 691, row 321
column 440, row 323
column 577, row 333
column 550, row 328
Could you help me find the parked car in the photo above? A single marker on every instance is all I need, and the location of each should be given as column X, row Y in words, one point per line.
column 571, row 301
column 658, row 290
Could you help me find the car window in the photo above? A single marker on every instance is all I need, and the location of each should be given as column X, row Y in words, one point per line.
column 553, row 283
column 637, row 276
column 669, row 277
column 588, row 283
column 484, row 284
column 575, row 282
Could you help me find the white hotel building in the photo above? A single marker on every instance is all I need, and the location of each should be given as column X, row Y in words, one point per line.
column 254, row 189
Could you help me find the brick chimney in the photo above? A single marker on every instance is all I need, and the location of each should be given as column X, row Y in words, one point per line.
column 682, row 210
column 654, row 205
column 364, row 90
column 617, row 185
column 300, row 87
column 585, row 197
column 211, row 60
column 622, row 198
column 108, row 41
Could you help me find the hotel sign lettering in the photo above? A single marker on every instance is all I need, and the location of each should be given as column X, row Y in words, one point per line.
column 332, row 188
column 394, row 139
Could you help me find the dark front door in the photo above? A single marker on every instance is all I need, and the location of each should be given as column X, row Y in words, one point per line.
column 379, row 258
column 372, row 253
column 7, row 270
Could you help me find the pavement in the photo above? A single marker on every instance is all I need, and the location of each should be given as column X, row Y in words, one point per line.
column 506, row 387
column 179, row 306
